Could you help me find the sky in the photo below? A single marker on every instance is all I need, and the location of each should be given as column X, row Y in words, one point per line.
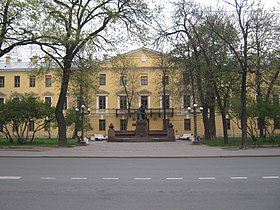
column 24, row 53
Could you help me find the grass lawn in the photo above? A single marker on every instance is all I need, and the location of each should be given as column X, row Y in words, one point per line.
column 37, row 142
column 235, row 142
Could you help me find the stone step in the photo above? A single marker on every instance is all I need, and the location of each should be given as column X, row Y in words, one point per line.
column 143, row 139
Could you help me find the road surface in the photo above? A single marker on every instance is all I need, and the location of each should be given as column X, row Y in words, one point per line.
column 140, row 183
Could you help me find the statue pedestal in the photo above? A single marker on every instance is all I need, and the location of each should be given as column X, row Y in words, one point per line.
column 141, row 128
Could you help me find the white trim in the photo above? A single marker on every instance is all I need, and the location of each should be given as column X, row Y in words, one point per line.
column 170, row 101
column 149, row 100
column 118, row 101
column 4, row 100
column 106, row 103
column 48, row 97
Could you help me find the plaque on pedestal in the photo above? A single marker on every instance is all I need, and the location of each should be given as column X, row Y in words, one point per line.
column 141, row 128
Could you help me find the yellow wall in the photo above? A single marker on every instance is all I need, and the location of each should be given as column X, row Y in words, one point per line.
column 145, row 62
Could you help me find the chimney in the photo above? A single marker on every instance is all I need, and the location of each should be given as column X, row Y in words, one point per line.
column 8, row 59
column 46, row 59
column 33, row 59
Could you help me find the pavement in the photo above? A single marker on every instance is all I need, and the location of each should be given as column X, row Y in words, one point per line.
column 178, row 149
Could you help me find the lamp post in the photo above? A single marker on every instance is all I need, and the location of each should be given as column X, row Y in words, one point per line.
column 82, row 111
column 47, row 126
column 194, row 108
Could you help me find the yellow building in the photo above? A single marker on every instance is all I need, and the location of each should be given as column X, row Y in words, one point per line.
column 136, row 74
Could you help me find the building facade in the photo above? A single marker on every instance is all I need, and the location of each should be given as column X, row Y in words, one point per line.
column 134, row 79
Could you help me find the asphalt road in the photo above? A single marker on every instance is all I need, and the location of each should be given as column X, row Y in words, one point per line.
column 140, row 184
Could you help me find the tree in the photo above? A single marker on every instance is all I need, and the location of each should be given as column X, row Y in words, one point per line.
column 249, row 27
column 164, row 65
column 187, row 15
column 265, row 35
column 20, row 113
column 127, row 79
column 72, row 117
column 83, row 85
column 242, row 20
column 15, row 24
column 67, row 27
column 221, row 67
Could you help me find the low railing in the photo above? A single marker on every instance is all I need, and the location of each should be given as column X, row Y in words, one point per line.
column 151, row 112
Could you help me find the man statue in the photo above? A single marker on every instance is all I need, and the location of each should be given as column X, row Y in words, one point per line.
column 141, row 114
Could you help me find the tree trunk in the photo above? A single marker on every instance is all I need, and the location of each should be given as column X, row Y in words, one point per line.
column 59, row 107
column 207, row 135
column 243, row 100
column 224, row 121
column 212, row 122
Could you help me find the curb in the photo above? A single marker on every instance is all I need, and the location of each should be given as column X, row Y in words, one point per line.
column 141, row 157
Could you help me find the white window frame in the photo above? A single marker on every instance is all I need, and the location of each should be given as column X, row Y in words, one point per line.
column 119, row 101
column 48, row 97
column 48, row 80
column 106, row 103
column 170, row 101
column 32, row 81
column 3, row 81
column 149, row 100
column 3, row 99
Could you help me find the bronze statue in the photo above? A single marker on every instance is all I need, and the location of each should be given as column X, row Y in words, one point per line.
column 141, row 114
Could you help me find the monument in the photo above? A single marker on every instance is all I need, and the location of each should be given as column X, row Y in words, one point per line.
column 141, row 132
column 142, row 129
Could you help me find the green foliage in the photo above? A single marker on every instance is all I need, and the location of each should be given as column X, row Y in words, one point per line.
column 260, row 108
column 84, row 79
column 37, row 142
column 236, row 142
column 74, row 118
column 17, row 113
column 15, row 24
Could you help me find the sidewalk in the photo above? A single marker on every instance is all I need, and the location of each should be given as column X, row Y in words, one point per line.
column 182, row 149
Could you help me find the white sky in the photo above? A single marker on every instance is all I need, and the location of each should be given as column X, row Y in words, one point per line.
column 24, row 53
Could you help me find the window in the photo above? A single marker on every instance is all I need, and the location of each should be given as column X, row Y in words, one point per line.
column 16, row 99
column 186, row 101
column 65, row 104
column 165, row 80
column 258, row 123
column 123, row 102
column 15, row 126
column 31, row 125
column 187, row 124
column 144, row 80
column 228, row 123
column 144, row 101
column 48, row 100
column 123, row 124
column 47, row 126
column 102, row 102
column 277, row 123
column 2, row 100
column 48, row 80
column 2, row 81
column 32, row 80
column 17, row 81
column 102, row 79
column 275, row 99
column 165, row 124
column 123, row 80
column 102, row 125
column 166, row 101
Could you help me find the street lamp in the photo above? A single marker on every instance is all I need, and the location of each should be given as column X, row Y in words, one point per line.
column 194, row 108
column 82, row 111
column 47, row 126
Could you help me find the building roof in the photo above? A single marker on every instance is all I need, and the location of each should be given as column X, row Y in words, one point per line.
column 16, row 65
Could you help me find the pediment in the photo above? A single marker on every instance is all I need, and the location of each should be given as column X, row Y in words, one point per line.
column 48, row 93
